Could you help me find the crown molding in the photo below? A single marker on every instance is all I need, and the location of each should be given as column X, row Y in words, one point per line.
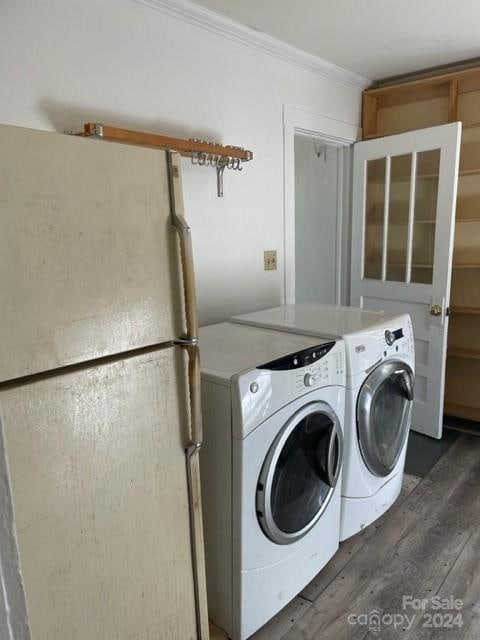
column 221, row 25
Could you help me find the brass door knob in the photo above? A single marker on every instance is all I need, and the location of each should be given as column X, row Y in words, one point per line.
column 436, row 310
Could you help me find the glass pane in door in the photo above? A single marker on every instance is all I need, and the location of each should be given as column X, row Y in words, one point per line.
column 398, row 208
column 426, row 191
column 374, row 210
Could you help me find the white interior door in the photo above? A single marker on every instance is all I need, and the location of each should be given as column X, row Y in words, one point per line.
column 404, row 194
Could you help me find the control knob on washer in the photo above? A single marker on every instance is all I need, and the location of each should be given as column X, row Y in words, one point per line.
column 309, row 380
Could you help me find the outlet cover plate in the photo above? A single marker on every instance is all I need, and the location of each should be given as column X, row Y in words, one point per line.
column 270, row 260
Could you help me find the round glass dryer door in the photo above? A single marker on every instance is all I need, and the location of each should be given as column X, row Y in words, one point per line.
column 299, row 473
column 383, row 415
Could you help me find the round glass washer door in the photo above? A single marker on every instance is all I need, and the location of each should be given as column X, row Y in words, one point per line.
column 299, row 473
column 383, row 415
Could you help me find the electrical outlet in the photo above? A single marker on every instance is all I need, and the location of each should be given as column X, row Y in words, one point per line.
column 270, row 260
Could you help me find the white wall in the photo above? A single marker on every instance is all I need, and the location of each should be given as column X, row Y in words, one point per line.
column 63, row 63
column 316, row 190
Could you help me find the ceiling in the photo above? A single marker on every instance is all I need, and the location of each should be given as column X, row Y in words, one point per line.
column 374, row 38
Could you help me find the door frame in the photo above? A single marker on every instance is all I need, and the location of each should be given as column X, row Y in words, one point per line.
column 334, row 132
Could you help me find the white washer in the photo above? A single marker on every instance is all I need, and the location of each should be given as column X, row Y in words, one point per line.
column 380, row 378
column 273, row 410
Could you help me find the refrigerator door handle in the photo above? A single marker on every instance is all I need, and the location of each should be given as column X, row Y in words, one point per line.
column 189, row 342
column 186, row 342
column 186, row 251
column 194, row 384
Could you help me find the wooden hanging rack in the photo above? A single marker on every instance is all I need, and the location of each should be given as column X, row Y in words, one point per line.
column 202, row 152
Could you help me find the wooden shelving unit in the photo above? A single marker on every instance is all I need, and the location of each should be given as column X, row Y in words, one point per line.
column 466, row 265
column 465, row 310
column 424, row 102
column 463, row 410
column 460, row 352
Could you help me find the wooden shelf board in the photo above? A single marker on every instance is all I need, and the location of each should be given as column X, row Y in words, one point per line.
column 419, row 265
column 398, row 179
column 463, row 173
column 468, row 172
column 422, row 79
column 159, row 141
column 466, row 265
column 403, row 223
column 461, row 352
column 462, row 411
column 401, row 264
column 399, row 224
column 471, row 219
column 465, row 310
column 372, row 136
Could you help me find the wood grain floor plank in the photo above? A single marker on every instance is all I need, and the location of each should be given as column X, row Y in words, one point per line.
column 409, row 554
column 283, row 621
column 449, row 493
column 216, row 633
column 409, row 484
column 349, row 593
column 350, row 547
column 463, row 583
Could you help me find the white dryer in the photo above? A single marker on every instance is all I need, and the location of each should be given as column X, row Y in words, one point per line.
column 273, row 410
column 379, row 394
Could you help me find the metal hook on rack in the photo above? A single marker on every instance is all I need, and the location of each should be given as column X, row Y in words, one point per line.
column 218, row 161
column 221, row 165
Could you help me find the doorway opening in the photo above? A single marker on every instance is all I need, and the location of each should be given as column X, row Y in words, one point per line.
column 315, row 145
column 318, row 220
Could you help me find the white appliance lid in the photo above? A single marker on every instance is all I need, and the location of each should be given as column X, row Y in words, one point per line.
column 227, row 349
column 315, row 319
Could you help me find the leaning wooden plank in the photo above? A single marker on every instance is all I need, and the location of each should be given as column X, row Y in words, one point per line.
column 159, row 141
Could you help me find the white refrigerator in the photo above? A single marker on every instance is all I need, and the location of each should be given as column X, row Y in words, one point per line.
column 100, row 513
